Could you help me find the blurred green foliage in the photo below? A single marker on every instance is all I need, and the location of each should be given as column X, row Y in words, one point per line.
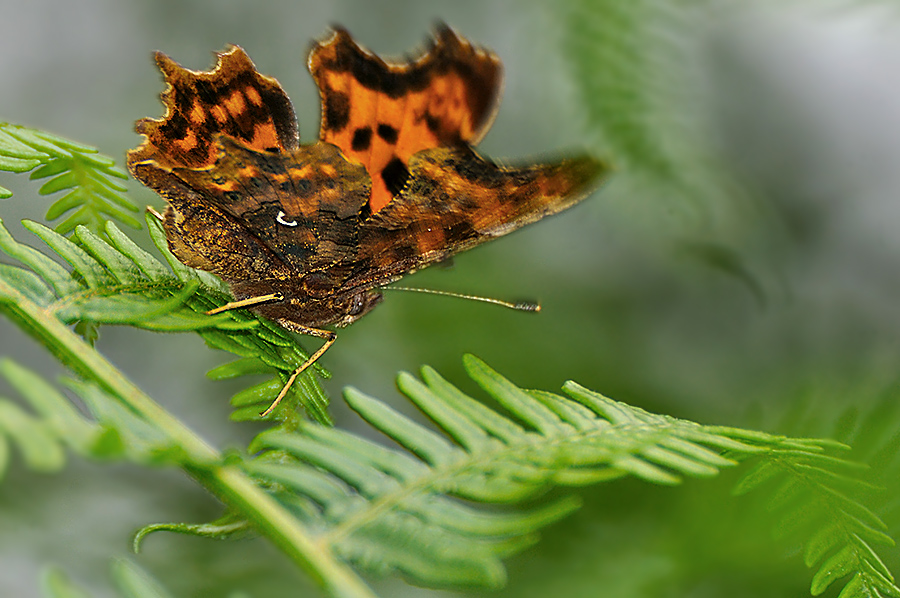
column 729, row 272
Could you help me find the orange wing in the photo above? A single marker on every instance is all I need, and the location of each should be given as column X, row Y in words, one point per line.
column 232, row 99
column 380, row 114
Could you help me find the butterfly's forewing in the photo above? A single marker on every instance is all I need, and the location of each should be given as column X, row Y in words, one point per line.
column 381, row 114
column 232, row 99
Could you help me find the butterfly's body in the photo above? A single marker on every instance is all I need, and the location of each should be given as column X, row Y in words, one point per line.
column 392, row 185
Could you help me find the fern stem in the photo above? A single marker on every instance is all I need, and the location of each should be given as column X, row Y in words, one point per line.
column 202, row 462
column 88, row 363
column 274, row 522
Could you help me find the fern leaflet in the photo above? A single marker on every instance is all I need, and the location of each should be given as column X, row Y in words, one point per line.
column 88, row 178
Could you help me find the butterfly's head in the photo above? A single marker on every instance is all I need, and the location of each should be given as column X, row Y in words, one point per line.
column 355, row 306
column 299, row 313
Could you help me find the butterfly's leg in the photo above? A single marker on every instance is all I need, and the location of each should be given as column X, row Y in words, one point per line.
column 246, row 303
column 329, row 337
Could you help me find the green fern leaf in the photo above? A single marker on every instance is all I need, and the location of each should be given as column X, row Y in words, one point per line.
column 626, row 60
column 35, row 442
column 836, row 529
column 450, row 504
column 53, row 425
column 55, row 411
column 633, row 65
column 447, row 507
column 92, row 195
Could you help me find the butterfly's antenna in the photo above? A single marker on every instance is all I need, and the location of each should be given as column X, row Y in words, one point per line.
column 518, row 306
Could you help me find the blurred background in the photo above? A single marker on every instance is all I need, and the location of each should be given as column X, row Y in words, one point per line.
column 739, row 268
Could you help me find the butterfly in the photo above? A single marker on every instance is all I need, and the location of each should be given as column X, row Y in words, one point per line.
column 306, row 235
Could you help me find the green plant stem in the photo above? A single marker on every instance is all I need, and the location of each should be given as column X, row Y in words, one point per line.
column 227, row 482
column 281, row 528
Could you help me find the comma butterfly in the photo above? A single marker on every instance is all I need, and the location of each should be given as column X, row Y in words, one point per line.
column 306, row 234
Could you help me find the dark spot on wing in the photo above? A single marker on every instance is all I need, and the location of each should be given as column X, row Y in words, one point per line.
column 433, row 123
column 205, row 91
column 403, row 251
column 337, row 110
column 176, row 127
column 459, row 231
column 362, row 137
column 364, row 212
column 270, row 164
column 388, row 133
column 395, row 175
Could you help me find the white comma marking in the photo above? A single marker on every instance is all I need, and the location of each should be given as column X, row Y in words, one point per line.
column 280, row 219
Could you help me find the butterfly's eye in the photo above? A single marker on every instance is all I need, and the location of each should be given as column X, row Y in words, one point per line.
column 280, row 219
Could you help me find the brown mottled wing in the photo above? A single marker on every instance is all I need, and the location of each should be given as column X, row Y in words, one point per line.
column 246, row 201
column 226, row 158
column 301, row 207
column 455, row 199
column 232, row 99
column 380, row 114
column 205, row 236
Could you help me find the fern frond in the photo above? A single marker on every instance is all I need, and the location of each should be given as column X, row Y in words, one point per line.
column 445, row 509
column 627, row 59
column 813, row 500
column 634, row 65
column 88, row 178
column 117, row 282
column 54, row 425
column 837, row 531
column 438, row 509
column 125, row 424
